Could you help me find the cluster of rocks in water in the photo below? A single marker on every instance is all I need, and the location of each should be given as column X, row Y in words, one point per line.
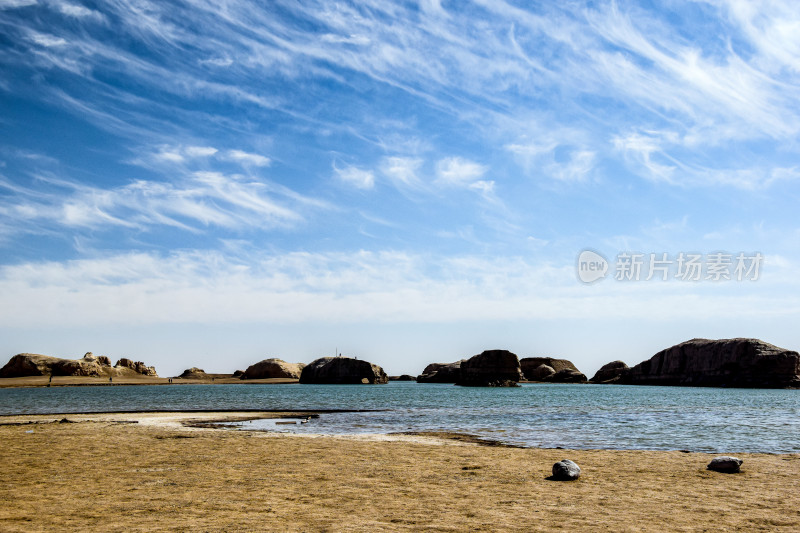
column 711, row 363
column 501, row 368
column 699, row 362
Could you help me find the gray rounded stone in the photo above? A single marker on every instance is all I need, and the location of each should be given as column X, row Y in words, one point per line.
column 726, row 464
column 566, row 470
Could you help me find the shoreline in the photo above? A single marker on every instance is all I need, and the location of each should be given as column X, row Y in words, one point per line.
column 215, row 420
column 152, row 472
column 92, row 381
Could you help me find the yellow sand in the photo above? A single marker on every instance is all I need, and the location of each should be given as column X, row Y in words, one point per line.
column 106, row 473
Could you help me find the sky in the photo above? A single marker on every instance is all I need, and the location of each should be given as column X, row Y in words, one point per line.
column 210, row 184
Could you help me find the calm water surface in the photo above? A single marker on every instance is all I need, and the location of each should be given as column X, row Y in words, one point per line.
column 570, row 416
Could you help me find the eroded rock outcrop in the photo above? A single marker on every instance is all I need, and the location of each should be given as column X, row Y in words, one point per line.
column 719, row 363
column 530, row 364
column 28, row 364
column 273, row 368
column 137, row 367
column 610, row 372
column 194, row 373
column 441, row 373
column 342, row 370
column 491, row 368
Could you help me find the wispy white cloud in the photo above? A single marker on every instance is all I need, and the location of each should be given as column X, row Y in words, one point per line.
column 78, row 11
column 200, row 151
column 578, row 166
column 13, row 4
column 187, row 154
column 357, row 177
column 193, row 202
column 640, row 148
column 772, row 27
column 458, row 171
column 682, row 78
column 217, row 61
column 649, row 155
column 46, row 40
column 712, row 92
column 403, row 171
column 247, row 158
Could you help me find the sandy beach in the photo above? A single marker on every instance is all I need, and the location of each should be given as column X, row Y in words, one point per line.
column 146, row 472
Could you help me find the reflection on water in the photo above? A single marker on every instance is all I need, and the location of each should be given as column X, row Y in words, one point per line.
column 570, row 416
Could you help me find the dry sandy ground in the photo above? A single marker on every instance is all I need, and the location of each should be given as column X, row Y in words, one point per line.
column 73, row 381
column 107, row 473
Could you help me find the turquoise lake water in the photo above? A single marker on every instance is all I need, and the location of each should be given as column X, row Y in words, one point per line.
column 540, row 415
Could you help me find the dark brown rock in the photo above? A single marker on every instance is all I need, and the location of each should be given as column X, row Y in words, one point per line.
column 441, row 373
column 403, row 377
column 610, row 372
column 342, row 370
column 719, row 363
column 273, row 368
column 529, row 364
column 491, row 368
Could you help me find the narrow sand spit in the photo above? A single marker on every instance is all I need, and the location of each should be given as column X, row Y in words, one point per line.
column 150, row 472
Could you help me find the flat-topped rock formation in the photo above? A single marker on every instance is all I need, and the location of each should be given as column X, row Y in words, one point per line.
column 342, row 370
column 610, row 372
column 273, row 368
column 719, row 363
column 441, row 373
column 30, row 364
column 402, row 377
column 551, row 370
column 491, row 368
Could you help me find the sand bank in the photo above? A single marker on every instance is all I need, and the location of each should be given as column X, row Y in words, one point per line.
column 145, row 472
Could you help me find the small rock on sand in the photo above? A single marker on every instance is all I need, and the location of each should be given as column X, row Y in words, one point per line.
column 566, row 470
column 725, row 464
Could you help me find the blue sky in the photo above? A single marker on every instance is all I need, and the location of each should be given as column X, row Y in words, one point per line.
column 212, row 183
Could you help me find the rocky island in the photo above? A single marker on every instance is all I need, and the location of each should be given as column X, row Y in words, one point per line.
column 342, row 371
column 273, row 368
column 711, row 363
column 491, row 368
